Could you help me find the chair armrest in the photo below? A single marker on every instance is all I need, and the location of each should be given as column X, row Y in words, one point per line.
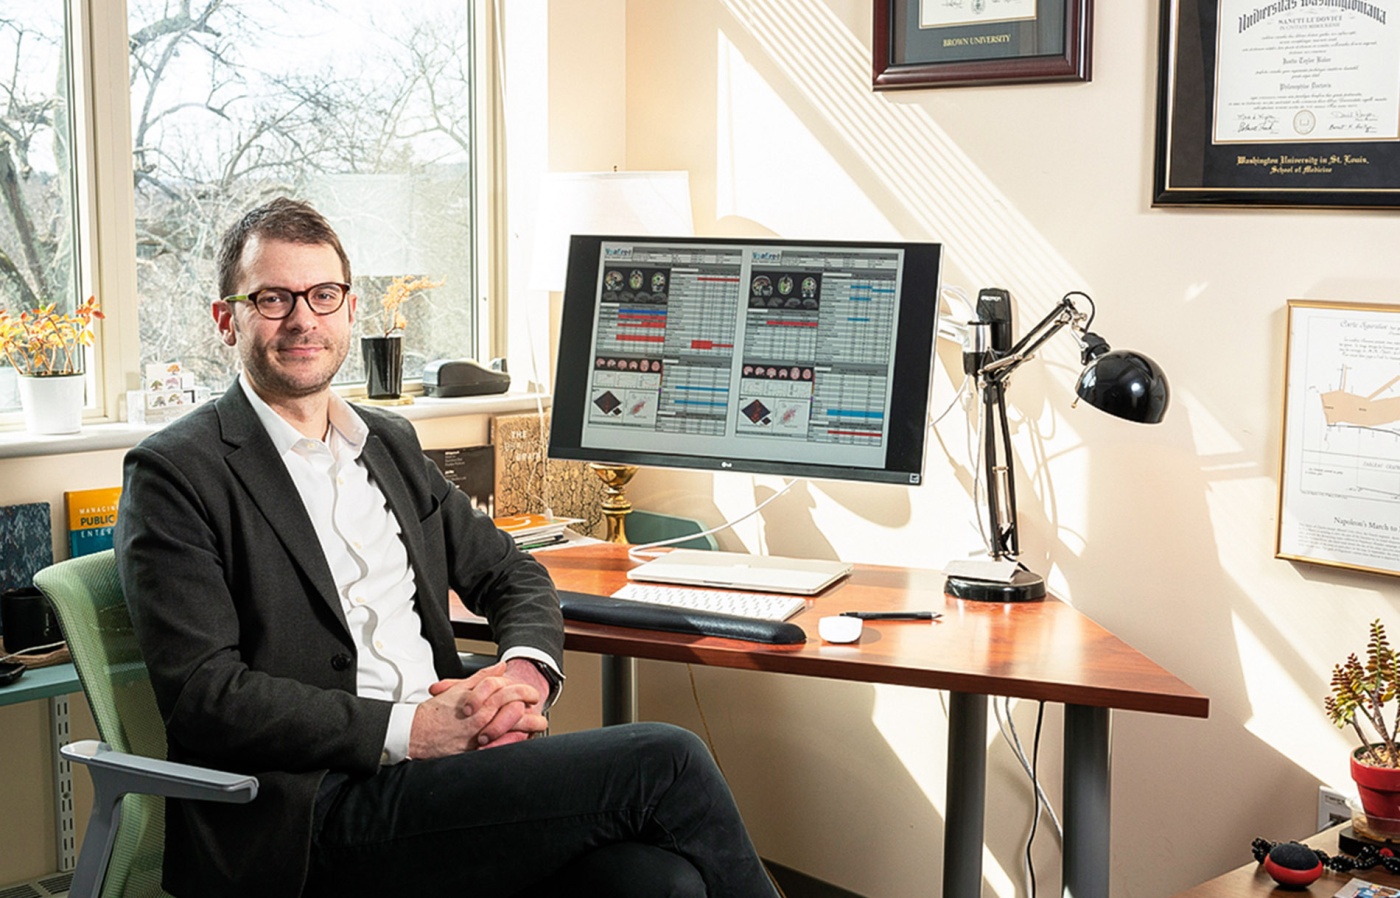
column 117, row 773
column 122, row 773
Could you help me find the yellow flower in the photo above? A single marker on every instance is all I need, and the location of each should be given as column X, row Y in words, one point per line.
column 42, row 342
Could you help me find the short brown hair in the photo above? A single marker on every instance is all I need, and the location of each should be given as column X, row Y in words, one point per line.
column 285, row 219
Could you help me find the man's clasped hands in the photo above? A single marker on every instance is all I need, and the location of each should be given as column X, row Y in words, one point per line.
column 498, row 705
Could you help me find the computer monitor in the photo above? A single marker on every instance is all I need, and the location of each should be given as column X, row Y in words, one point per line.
column 802, row 358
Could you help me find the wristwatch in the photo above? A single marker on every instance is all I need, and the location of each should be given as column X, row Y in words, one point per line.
column 552, row 677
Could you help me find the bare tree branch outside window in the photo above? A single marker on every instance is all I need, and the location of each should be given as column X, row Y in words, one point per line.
column 363, row 108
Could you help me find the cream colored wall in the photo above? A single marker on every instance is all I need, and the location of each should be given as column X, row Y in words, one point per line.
column 28, row 844
column 1162, row 534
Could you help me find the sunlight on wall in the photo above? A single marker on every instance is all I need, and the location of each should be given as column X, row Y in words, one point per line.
column 899, row 145
column 1354, row 603
column 771, row 168
column 1274, row 698
column 1211, row 437
column 736, row 496
column 904, row 717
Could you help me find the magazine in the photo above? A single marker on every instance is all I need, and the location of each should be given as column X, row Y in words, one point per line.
column 1360, row 888
column 531, row 531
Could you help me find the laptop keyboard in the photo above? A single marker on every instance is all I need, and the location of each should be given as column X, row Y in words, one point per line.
column 763, row 606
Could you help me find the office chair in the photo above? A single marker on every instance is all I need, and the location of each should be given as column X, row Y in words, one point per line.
column 652, row 526
column 124, row 846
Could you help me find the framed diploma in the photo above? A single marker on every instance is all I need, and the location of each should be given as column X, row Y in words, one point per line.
column 1278, row 103
column 962, row 43
column 1339, row 476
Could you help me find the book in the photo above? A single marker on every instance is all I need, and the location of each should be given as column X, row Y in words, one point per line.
column 473, row 470
column 1360, row 888
column 535, row 530
column 92, row 516
column 527, row 480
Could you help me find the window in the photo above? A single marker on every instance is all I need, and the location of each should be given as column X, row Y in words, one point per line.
column 38, row 234
column 361, row 107
column 364, row 108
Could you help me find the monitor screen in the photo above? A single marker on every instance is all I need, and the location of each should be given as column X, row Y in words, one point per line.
column 806, row 358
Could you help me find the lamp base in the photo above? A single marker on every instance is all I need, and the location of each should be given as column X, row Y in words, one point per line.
column 1025, row 586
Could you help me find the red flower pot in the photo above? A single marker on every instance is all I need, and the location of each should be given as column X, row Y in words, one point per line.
column 1379, row 788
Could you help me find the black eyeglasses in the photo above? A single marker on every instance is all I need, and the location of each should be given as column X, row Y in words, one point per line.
column 278, row 302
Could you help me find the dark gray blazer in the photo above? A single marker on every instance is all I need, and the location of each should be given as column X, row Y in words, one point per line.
column 238, row 619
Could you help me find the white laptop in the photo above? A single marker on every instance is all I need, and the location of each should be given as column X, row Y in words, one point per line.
column 737, row 570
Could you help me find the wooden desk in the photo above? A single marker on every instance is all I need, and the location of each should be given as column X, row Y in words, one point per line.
column 1250, row 879
column 1043, row 651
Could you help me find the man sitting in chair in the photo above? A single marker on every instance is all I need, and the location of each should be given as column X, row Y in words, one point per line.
column 287, row 560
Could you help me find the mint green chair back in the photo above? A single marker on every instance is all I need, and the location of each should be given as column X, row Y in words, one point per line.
column 87, row 598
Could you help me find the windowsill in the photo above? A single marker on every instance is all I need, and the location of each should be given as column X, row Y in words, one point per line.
column 121, row 435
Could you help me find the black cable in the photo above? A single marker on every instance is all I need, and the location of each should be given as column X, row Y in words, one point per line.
column 1093, row 310
column 1035, row 790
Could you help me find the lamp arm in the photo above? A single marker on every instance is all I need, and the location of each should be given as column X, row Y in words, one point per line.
column 1001, row 474
column 1064, row 314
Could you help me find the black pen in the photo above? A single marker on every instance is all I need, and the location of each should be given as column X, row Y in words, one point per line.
column 893, row 615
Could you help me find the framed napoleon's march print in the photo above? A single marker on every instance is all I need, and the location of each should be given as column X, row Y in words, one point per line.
column 1278, row 103
column 1339, row 470
column 965, row 43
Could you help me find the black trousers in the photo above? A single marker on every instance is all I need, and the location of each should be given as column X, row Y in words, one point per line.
column 638, row 810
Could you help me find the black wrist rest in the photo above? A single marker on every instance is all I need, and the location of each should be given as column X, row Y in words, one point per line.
column 579, row 606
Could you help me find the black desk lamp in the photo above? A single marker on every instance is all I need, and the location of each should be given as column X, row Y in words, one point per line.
column 1124, row 384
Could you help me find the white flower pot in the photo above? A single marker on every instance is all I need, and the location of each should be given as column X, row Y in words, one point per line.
column 52, row 404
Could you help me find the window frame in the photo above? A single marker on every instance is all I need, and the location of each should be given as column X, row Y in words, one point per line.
column 99, row 69
column 106, row 195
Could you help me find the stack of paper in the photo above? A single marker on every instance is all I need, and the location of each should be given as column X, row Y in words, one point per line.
column 531, row 531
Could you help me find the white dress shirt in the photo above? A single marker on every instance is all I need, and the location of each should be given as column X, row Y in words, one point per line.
column 362, row 543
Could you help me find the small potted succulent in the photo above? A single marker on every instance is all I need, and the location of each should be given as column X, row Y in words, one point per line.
column 383, row 351
column 46, row 349
column 1366, row 697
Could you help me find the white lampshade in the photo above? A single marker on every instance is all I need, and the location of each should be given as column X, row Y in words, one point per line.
column 635, row 203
